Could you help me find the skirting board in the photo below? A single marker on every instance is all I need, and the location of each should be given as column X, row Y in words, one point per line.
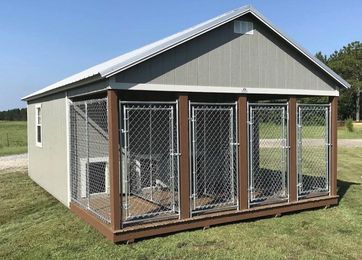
column 172, row 226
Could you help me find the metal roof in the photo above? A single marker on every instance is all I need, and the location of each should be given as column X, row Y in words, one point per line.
column 127, row 60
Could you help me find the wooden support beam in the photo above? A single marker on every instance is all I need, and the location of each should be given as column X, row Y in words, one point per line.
column 243, row 152
column 184, row 157
column 333, row 140
column 292, row 108
column 114, row 159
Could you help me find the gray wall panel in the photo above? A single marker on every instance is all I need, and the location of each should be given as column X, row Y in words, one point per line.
column 223, row 58
column 48, row 164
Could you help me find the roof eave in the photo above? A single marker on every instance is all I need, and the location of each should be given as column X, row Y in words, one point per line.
column 72, row 85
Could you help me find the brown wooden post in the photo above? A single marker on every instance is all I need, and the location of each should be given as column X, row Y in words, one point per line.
column 333, row 157
column 114, row 159
column 243, row 152
column 292, row 107
column 184, row 157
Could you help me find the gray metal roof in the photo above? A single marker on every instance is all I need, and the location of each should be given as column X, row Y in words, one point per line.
column 127, row 60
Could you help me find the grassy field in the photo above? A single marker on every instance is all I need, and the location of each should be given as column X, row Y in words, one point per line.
column 13, row 137
column 271, row 131
column 42, row 228
column 343, row 133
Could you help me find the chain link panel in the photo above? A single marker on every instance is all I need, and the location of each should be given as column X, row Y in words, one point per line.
column 150, row 160
column 89, row 156
column 313, row 150
column 213, row 156
column 268, row 153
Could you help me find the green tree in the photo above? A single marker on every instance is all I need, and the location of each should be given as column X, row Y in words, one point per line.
column 322, row 57
column 13, row 114
column 347, row 62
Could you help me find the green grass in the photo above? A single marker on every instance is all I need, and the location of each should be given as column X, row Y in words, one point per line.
column 343, row 133
column 13, row 137
column 33, row 225
column 273, row 131
column 313, row 159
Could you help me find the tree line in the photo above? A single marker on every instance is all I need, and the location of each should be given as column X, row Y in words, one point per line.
column 18, row 114
column 347, row 62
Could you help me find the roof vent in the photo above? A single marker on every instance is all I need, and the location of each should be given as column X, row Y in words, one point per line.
column 243, row 27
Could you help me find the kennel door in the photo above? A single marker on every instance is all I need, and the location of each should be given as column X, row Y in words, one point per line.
column 213, row 156
column 149, row 159
column 313, row 149
column 268, row 153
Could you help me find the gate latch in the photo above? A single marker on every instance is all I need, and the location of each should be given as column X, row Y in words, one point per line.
column 175, row 154
column 234, row 143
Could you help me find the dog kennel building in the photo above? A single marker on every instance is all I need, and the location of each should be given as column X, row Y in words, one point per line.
column 204, row 127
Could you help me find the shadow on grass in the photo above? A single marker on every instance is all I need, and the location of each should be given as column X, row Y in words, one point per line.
column 343, row 187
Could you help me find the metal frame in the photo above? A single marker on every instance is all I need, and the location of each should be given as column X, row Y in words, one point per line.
column 302, row 194
column 233, row 164
column 284, row 155
column 85, row 150
column 125, row 107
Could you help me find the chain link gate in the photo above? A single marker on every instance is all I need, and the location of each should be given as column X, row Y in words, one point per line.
column 214, row 163
column 150, row 160
column 313, row 149
column 89, row 156
column 268, row 153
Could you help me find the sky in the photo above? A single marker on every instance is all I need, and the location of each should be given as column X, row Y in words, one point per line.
column 44, row 41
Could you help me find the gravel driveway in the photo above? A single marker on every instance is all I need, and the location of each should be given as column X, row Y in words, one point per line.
column 18, row 162
column 350, row 142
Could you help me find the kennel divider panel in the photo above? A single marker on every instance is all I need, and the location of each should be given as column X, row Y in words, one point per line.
column 268, row 153
column 214, row 166
column 150, row 155
column 313, row 153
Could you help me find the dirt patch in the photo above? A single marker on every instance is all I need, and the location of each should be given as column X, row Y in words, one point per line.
column 11, row 163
